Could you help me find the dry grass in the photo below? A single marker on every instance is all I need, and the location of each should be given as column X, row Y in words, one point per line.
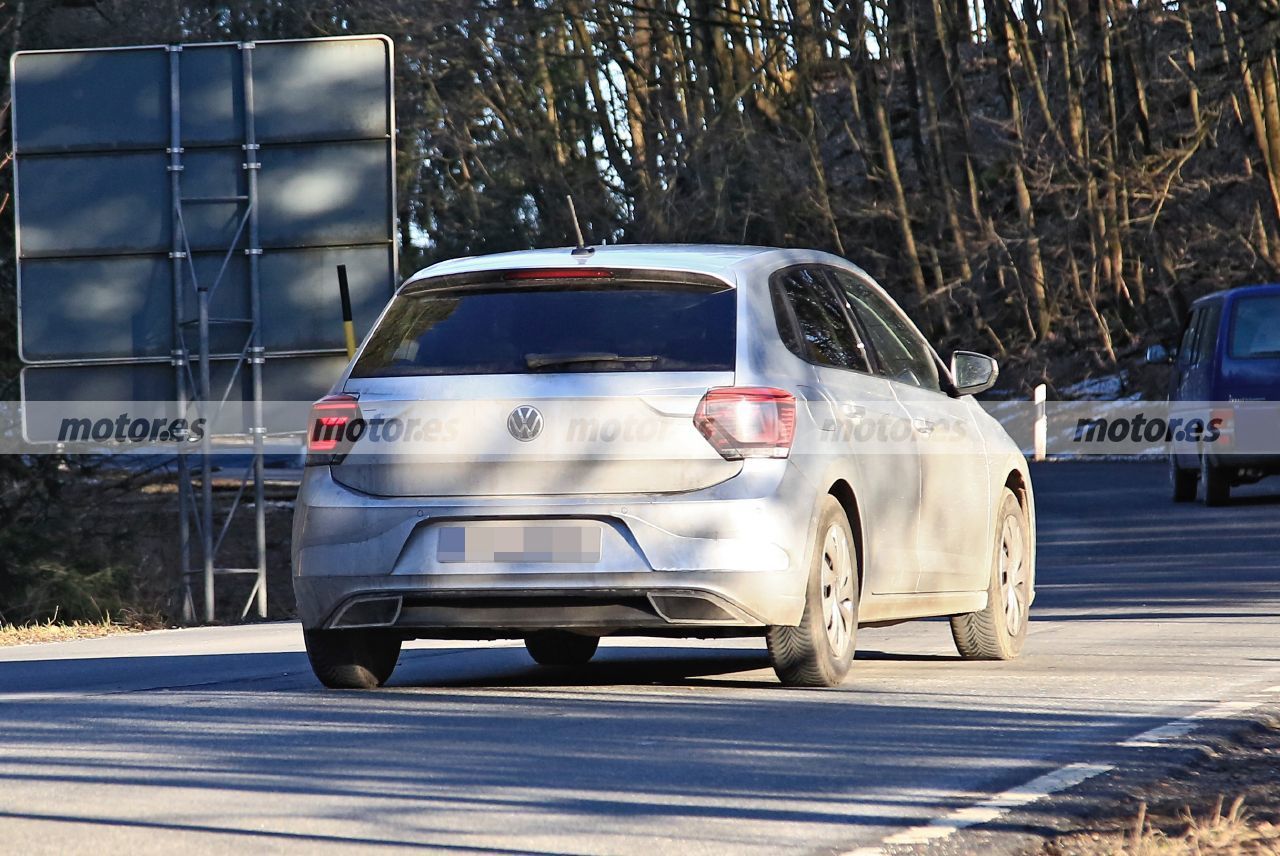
column 1221, row 831
column 61, row 631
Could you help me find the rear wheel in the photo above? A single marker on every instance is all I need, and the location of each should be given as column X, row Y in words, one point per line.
column 561, row 648
column 819, row 651
column 997, row 631
column 352, row 659
column 1216, row 481
column 1183, row 482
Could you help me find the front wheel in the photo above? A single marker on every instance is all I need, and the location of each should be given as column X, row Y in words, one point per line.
column 1183, row 482
column 1217, row 482
column 997, row 631
column 352, row 659
column 819, row 651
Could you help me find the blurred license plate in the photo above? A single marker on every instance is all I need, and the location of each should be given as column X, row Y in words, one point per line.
column 1257, row 428
column 533, row 543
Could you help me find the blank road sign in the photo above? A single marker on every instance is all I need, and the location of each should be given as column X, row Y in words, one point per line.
column 96, row 214
column 120, row 307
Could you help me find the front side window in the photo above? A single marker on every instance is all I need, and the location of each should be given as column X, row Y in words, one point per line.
column 1207, row 340
column 568, row 326
column 825, row 335
column 1255, row 327
column 901, row 352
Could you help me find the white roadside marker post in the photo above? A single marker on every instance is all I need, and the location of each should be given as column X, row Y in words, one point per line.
column 1041, row 439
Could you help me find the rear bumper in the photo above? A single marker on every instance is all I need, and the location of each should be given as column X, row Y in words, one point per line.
column 489, row 607
column 729, row 556
column 1265, row 463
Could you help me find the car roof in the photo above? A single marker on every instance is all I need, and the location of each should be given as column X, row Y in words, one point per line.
column 723, row 261
column 1239, row 291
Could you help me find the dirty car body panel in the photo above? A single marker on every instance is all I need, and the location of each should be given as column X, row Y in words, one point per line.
column 619, row 515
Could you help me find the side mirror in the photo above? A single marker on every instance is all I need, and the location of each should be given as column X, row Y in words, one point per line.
column 1159, row 355
column 973, row 373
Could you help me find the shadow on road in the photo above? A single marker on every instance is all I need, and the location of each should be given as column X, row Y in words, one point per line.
column 651, row 665
column 469, row 741
column 585, row 745
column 657, row 665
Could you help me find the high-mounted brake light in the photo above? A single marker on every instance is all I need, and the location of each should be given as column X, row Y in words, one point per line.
column 747, row 421
column 335, row 419
column 558, row 273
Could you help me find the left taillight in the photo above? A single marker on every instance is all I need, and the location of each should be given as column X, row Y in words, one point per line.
column 333, row 427
column 747, row 421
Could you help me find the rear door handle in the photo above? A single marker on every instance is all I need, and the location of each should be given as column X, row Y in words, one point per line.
column 853, row 411
column 924, row 426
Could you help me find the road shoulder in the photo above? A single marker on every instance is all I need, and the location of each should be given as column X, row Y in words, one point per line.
column 1181, row 795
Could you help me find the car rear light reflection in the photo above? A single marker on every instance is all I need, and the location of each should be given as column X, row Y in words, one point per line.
column 747, row 422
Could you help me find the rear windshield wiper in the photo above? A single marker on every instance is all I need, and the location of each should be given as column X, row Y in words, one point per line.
column 543, row 361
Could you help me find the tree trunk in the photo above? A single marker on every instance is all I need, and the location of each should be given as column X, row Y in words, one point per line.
column 1039, row 308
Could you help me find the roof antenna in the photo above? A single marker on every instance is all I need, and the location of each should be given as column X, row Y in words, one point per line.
column 582, row 248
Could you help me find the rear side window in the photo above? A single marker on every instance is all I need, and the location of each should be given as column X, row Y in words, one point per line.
column 1255, row 327
column 566, row 326
column 825, row 335
column 900, row 351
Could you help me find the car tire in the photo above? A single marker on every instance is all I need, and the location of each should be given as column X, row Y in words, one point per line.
column 561, row 648
column 818, row 652
column 1216, row 481
column 1183, row 482
column 352, row 659
column 997, row 631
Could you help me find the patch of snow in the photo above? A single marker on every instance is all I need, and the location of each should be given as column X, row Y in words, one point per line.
column 1103, row 388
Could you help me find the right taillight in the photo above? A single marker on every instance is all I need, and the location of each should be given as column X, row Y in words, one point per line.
column 335, row 424
column 747, row 421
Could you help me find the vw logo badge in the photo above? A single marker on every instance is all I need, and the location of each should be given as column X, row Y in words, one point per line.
column 524, row 423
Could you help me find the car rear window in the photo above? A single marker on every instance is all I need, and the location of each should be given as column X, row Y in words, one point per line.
column 1255, row 327
column 562, row 327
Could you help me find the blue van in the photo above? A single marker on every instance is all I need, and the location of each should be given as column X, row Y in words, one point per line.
column 1229, row 352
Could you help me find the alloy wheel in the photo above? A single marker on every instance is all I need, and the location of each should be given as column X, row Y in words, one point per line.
column 837, row 589
column 1014, row 584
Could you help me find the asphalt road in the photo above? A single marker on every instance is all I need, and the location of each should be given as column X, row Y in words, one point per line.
column 217, row 739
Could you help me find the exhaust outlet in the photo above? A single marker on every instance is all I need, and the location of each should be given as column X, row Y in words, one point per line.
column 691, row 608
column 369, row 612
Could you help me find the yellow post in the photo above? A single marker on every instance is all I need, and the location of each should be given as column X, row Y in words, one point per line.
column 350, row 330
column 348, row 327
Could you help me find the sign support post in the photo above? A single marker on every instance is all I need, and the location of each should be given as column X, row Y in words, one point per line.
column 256, row 358
column 208, row 404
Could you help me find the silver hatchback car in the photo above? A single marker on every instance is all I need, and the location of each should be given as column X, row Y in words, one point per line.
column 691, row 441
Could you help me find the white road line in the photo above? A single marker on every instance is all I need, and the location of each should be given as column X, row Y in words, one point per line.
column 991, row 809
column 1184, row 726
column 1156, row 736
column 1052, row 782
